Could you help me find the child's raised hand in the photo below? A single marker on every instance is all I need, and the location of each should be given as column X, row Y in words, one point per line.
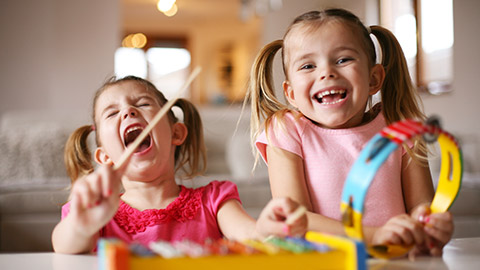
column 273, row 219
column 438, row 228
column 95, row 199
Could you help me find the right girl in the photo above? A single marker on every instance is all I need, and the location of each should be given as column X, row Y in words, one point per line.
column 332, row 71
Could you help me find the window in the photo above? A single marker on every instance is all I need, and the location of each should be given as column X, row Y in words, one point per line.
column 166, row 66
column 424, row 29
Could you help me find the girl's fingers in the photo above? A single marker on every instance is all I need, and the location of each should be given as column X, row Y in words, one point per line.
column 285, row 217
column 440, row 227
column 76, row 204
column 89, row 190
column 403, row 230
column 442, row 237
column 421, row 212
column 82, row 190
column 280, row 208
column 110, row 183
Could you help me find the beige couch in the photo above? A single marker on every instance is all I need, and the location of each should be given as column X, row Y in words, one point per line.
column 34, row 185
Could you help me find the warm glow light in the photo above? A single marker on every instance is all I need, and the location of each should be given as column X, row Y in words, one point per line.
column 137, row 40
column 165, row 5
column 171, row 11
column 127, row 41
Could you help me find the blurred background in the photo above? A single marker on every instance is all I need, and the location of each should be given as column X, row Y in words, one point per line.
column 54, row 55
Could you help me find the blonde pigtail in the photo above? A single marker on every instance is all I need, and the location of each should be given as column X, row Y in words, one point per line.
column 261, row 92
column 400, row 98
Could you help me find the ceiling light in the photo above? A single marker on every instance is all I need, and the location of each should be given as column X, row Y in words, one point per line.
column 165, row 5
column 172, row 11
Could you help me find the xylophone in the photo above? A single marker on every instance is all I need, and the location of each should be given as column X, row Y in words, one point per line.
column 315, row 251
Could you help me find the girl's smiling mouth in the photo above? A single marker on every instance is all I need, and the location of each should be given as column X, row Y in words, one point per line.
column 329, row 97
column 131, row 133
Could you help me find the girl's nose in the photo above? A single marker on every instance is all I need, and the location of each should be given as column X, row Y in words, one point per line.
column 327, row 75
column 130, row 112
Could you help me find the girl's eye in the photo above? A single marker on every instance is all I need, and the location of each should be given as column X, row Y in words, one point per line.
column 111, row 114
column 344, row 60
column 307, row 66
column 143, row 105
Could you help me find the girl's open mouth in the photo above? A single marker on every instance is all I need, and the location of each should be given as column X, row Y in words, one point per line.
column 330, row 97
column 131, row 133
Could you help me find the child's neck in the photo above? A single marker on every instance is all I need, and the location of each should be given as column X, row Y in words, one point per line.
column 143, row 196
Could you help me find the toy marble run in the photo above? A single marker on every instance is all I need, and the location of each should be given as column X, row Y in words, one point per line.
column 316, row 250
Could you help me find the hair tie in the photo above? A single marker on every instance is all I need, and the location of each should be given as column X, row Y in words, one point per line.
column 378, row 48
column 93, row 127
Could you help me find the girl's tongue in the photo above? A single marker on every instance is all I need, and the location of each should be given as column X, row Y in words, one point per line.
column 131, row 136
column 144, row 145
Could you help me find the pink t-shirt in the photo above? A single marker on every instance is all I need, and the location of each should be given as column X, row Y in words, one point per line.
column 328, row 155
column 191, row 216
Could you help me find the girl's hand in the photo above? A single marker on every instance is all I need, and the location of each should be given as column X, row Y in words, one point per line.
column 438, row 228
column 400, row 230
column 95, row 199
column 272, row 220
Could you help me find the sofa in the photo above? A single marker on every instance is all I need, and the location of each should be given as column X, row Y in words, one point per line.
column 34, row 184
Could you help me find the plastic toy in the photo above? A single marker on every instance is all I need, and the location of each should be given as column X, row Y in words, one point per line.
column 318, row 251
column 374, row 155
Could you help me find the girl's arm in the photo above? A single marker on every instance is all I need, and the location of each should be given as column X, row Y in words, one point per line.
column 417, row 184
column 236, row 224
column 287, row 179
column 94, row 201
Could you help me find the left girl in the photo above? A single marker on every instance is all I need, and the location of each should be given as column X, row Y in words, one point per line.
column 152, row 206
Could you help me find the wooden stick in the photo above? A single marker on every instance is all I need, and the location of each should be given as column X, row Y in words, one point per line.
column 166, row 107
column 300, row 211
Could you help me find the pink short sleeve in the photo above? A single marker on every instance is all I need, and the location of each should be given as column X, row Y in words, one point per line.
column 219, row 192
column 286, row 135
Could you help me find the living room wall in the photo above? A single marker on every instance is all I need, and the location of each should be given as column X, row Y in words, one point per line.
column 55, row 53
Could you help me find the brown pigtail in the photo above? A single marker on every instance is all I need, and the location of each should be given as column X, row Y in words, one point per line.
column 77, row 156
column 191, row 155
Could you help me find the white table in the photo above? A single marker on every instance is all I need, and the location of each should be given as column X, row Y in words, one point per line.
column 462, row 253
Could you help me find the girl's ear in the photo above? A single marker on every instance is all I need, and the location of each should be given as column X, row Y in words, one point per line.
column 377, row 76
column 101, row 157
column 179, row 133
column 288, row 90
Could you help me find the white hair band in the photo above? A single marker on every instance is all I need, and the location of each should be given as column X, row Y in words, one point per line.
column 378, row 49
